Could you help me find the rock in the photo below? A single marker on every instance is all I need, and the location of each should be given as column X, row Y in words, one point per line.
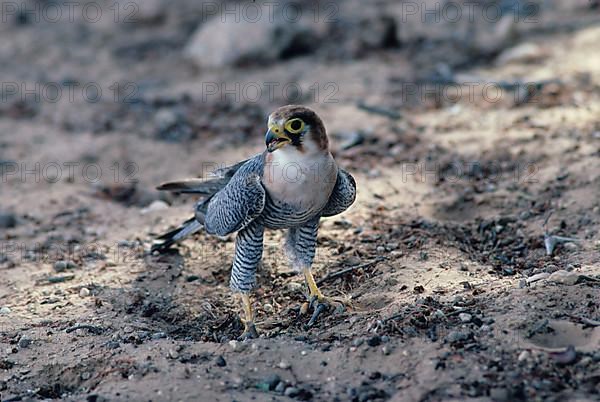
column 4, row 310
column 222, row 41
column 374, row 340
column 280, row 388
column 465, row 317
column 295, row 287
column 386, row 350
column 220, row 361
column 524, row 355
column 494, row 36
column 173, row 354
column 284, row 365
column 7, row 221
column 84, row 292
column 24, row 342
column 366, row 393
column 564, row 277
column 63, row 265
column 237, row 346
column 571, row 246
column 147, row 12
column 291, row 392
column 156, row 205
column 538, row 277
column 457, row 336
column 523, row 53
column 272, row 381
column 569, row 356
column 113, row 345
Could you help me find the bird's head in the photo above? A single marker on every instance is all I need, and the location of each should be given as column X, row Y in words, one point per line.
column 298, row 127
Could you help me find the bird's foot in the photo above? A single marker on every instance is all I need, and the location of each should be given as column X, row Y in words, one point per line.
column 248, row 320
column 319, row 303
column 249, row 332
column 322, row 304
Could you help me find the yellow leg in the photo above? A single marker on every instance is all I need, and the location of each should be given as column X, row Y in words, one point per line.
column 312, row 285
column 248, row 320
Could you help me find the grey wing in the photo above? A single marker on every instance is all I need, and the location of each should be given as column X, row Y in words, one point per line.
column 343, row 195
column 240, row 202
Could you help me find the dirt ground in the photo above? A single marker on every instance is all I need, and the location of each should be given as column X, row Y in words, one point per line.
column 454, row 296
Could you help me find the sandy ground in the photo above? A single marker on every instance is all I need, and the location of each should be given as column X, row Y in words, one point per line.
column 453, row 294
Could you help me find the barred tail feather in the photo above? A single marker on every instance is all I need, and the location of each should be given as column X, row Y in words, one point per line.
column 186, row 229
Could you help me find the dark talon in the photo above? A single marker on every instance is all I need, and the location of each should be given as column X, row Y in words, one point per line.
column 318, row 310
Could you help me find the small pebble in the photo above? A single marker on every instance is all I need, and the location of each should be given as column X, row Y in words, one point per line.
column 386, row 350
column 465, row 317
column 295, row 287
column 237, row 346
column 272, row 381
column 157, row 205
column 84, row 292
column 524, row 355
column 267, row 307
column 571, row 246
column 374, row 340
column 220, row 361
column 280, row 387
column 284, row 365
column 24, row 342
column 173, row 354
column 7, row 221
column 4, row 310
column 564, row 277
column 456, row 336
column 291, row 392
column 63, row 265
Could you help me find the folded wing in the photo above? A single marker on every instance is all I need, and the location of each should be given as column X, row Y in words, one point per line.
column 343, row 195
column 240, row 202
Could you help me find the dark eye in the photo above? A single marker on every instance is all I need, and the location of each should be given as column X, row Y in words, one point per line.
column 294, row 126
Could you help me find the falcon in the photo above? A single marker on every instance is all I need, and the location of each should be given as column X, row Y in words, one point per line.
column 291, row 185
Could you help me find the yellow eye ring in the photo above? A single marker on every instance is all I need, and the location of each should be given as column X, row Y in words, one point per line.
column 294, row 126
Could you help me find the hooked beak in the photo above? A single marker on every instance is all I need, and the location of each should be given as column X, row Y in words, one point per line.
column 276, row 138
